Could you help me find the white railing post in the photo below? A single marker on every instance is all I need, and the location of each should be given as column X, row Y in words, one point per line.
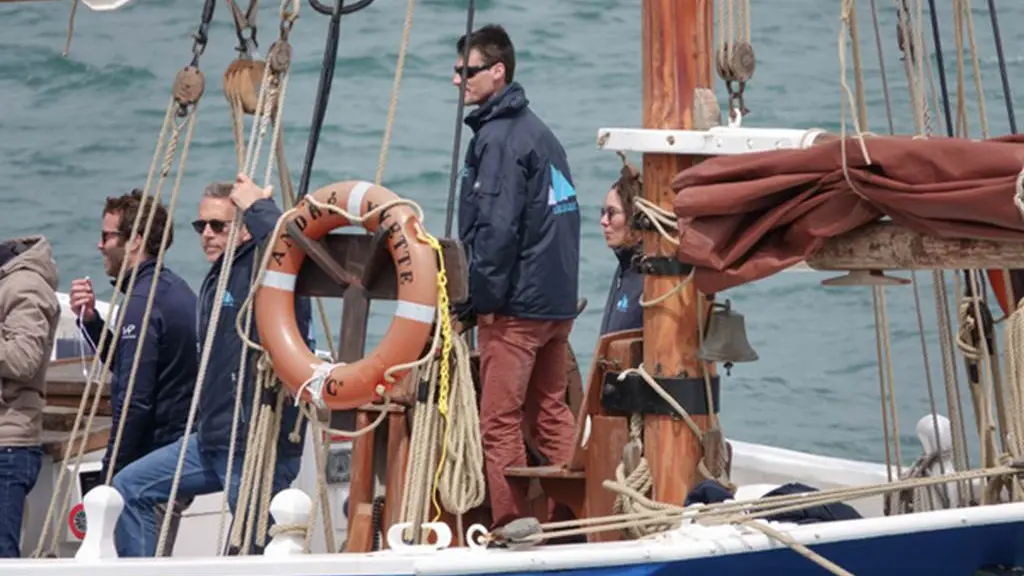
column 291, row 510
column 103, row 507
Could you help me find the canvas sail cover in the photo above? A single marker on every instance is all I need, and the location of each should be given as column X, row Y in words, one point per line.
column 746, row 217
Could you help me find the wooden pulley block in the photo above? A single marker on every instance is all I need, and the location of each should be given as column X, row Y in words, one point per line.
column 280, row 56
column 743, row 62
column 242, row 83
column 723, row 65
column 189, row 85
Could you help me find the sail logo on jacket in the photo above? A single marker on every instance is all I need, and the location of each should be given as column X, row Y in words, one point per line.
column 623, row 304
column 561, row 194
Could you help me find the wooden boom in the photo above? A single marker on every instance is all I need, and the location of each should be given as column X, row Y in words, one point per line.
column 886, row 246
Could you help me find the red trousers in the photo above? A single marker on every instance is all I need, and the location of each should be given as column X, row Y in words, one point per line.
column 523, row 370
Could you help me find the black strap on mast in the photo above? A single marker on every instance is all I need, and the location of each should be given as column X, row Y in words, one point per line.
column 457, row 139
column 323, row 92
column 997, row 38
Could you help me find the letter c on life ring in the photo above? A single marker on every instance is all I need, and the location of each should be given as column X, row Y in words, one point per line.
column 343, row 387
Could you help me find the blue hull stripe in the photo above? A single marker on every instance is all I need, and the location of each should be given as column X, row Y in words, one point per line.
column 952, row 552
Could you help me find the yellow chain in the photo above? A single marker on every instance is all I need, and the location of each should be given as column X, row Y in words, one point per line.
column 445, row 372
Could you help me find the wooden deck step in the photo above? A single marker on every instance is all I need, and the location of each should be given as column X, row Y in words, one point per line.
column 560, row 472
column 59, row 418
column 55, row 442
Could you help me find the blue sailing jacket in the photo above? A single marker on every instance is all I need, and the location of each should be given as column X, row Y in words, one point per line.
column 622, row 310
column 217, row 399
column 518, row 213
column 166, row 373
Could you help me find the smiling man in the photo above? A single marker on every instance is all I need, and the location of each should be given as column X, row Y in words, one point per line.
column 146, row 483
column 519, row 221
column 166, row 370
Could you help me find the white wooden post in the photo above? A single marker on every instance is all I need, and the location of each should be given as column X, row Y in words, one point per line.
column 103, row 507
column 290, row 507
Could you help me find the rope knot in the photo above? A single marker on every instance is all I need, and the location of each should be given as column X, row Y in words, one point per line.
column 315, row 384
column 298, row 529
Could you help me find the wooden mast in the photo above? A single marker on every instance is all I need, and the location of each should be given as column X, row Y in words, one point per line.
column 677, row 38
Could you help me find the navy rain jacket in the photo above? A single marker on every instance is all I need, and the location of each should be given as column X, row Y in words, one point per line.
column 518, row 214
column 217, row 399
column 622, row 310
column 167, row 369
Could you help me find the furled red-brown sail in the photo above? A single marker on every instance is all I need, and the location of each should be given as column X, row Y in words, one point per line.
column 746, row 217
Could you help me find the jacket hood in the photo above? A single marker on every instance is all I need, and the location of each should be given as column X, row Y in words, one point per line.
column 31, row 254
column 510, row 100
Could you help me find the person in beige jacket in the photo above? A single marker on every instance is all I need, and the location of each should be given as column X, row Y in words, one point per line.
column 29, row 312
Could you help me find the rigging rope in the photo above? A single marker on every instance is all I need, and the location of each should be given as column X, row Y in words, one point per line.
column 912, row 41
column 71, row 27
column 181, row 112
column 278, row 60
column 457, row 138
column 918, row 308
column 998, row 41
column 742, row 513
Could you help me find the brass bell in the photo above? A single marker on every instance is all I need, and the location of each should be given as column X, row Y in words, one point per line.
column 726, row 337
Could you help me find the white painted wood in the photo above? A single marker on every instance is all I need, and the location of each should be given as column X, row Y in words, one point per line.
column 718, row 141
column 103, row 507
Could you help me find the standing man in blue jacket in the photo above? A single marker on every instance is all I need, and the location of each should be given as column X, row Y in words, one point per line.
column 166, row 371
column 519, row 221
column 147, row 482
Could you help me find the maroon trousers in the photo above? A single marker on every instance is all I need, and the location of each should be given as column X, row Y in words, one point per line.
column 523, row 367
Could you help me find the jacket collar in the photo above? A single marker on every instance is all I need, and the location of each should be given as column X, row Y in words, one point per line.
column 143, row 267
column 627, row 254
column 508, row 101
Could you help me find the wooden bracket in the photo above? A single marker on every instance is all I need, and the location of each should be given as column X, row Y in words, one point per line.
column 319, row 253
column 362, row 260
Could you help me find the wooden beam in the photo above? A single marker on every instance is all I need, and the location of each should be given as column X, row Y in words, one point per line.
column 321, row 256
column 360, row 491
column 351, row 256
column 886, row 246
column 676, row 60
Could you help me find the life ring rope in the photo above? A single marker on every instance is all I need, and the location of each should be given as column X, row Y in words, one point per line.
column 441, row 337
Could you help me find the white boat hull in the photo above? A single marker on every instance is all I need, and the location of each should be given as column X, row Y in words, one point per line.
column 947, row 542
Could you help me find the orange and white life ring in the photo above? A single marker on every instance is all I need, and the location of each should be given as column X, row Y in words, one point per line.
column 347, row 386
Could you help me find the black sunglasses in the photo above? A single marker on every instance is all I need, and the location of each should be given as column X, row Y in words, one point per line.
column 472, row 70
column 216, row 225
column 106, row 235
column 609, row 211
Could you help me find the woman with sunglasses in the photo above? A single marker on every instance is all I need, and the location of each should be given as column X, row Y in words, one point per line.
column 622, row 309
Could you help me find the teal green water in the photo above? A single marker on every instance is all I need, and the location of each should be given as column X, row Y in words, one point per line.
column 75, row 130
